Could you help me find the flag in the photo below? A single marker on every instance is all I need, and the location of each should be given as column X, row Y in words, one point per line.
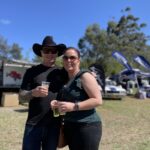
column 121, row 59
column 142, row 61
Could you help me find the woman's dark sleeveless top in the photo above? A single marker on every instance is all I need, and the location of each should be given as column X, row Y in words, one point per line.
column 74, row 92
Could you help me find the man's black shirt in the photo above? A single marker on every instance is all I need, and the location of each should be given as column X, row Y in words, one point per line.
column 39, row 107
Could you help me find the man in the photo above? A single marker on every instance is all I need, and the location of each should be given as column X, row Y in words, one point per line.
column 42, row 129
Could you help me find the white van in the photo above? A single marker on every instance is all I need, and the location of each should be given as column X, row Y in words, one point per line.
column 113, row 91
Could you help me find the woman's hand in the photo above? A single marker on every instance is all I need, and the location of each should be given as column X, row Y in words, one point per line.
column 54, row 104
column 66, row 106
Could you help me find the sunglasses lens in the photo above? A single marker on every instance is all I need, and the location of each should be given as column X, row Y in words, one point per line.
column 69, row 57
column 48, row 50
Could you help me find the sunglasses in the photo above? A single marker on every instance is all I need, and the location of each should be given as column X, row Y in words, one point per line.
column 49, row 50
column 70, row 57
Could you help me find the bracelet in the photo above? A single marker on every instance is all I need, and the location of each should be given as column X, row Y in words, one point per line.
column 76, row 106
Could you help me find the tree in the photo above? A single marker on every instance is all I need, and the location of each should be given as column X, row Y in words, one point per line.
column 8, row 52
column 3, row 48
column 124, row 35
column 128, row 32
column 15, row 52
column 93, row 45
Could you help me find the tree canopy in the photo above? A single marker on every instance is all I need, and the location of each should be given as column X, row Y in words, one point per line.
column 8, row 52
column 124, row 35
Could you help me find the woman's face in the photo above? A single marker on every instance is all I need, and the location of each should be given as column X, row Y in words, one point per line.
column 71, row 61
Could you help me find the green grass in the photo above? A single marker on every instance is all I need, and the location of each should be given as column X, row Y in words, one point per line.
column 126, row 125
column 11, row 128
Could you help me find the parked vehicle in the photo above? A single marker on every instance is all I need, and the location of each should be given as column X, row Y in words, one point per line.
column 113, row 91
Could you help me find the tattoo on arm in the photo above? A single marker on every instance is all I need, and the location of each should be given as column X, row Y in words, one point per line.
column 25, row 95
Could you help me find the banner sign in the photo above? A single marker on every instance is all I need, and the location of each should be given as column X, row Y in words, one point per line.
column 142, row 61
column 121, row 59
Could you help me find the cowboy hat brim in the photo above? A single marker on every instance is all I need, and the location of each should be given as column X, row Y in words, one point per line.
column 37, row 48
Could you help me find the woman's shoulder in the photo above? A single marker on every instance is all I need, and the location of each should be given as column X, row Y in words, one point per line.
column 83, row 72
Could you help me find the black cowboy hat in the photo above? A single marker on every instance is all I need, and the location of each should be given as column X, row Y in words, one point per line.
column 48, row 42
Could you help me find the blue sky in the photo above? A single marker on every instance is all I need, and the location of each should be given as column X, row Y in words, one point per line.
column 28, row 21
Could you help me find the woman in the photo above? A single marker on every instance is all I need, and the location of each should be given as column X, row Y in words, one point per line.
column 78, row 99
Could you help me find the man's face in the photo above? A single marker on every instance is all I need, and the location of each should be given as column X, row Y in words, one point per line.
column 47, row 50
column 49, row 54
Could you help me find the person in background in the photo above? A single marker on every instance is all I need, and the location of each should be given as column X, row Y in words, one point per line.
column 78, row 100
column 42, row 129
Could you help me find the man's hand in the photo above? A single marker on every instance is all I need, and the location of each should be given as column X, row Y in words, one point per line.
column 40, row 91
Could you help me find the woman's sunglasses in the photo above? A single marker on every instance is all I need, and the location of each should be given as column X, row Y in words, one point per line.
column 49, row 50
column 70, row 57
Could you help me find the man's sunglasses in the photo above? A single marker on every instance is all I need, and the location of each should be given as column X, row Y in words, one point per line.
column 70, row 57
column 49, row 50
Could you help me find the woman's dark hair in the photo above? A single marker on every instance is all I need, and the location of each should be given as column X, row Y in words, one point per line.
column 75, row 49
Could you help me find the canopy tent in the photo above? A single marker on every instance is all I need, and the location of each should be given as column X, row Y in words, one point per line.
column 135, row 75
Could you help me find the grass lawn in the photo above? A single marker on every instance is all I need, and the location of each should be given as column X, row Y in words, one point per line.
column 126, row 125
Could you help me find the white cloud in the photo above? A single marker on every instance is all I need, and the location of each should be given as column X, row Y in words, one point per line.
column 5, row 21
